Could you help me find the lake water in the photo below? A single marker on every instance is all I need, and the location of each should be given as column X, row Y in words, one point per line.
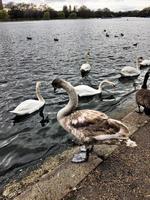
column 23, row 62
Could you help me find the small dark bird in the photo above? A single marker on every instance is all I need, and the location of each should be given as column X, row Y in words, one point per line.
column 135, row 44
column 29, row 38
column 116, row 36
column 121, row 34
column 143, row 96
column 56, row 39
column 107, row 35
column 104, row 30
column 126, row 48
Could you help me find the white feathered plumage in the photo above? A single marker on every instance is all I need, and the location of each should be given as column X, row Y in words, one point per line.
column 29, row 106
column 129, row 71
column 85, row 90
column 86, row 67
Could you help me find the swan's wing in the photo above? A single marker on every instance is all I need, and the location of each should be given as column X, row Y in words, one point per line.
column 89, row 123
column 85, row 90
column 85, row 67
column 145, row 62
column 130, row 71
column 28, row 106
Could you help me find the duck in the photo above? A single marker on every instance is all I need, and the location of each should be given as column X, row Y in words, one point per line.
column 85, row 90
column 135, row 44
column 88, row 126
column 29, row 38
column 56, row 39
column 107, row 35
column 86, row 67
column 121, row 34
column 30, row 106
column 144, row 62
column 143, row 96
column 126, row 48
column 129, row 71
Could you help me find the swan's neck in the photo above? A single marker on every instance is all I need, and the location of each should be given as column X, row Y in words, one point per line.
column 87, row 58
column 144, row 86
column 101, row 84
column 137, row 65
column 38, row 94
column 73, row 101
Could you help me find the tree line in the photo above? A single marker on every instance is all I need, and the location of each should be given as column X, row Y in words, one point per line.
column 23, row 11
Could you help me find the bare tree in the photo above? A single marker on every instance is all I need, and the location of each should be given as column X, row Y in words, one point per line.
column 1, row 5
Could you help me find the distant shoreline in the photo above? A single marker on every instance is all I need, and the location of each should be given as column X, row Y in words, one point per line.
column 28, row 20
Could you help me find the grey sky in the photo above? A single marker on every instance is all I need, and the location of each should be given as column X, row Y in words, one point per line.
column 114, row 5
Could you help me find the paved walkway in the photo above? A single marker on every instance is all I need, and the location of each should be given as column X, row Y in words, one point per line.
column 125, row 175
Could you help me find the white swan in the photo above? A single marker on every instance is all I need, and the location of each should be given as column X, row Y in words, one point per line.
column 29, row 106
column 85, row 90
column 144, row 62
column 86, row 67
column 88, row 126
column 129, row 71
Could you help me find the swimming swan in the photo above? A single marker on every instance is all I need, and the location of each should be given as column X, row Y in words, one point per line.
column 86, row 67
column 129, row 71
column 29, row 106
column 88, row 126
column 144, row 62
column 85, row 90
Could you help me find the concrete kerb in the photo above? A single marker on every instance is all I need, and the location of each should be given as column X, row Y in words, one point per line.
column 57, row 183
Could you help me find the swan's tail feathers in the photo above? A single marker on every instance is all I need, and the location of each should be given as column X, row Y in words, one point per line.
column 15, row 112
column 12, row 111
column 130, row 143
column 147, row 111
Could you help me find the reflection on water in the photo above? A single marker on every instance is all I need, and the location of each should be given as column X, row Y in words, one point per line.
column 23, row 62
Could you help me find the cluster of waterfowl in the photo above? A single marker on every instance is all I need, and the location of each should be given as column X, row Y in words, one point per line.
column 30, row 38
column 116, row 36
column 89, row 126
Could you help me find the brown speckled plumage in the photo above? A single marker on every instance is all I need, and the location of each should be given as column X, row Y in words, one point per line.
column 143, row 95
column 86, row 124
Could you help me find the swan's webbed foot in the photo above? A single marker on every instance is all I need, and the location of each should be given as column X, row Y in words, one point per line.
column 83, row 155
column 139, row 110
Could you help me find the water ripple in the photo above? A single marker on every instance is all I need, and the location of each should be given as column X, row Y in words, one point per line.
column 24, row 62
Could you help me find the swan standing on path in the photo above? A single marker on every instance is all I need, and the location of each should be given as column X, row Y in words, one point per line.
column 29, row 106
column 86, row 67
column 129, row 71
column 85, row 90
column 88, row 126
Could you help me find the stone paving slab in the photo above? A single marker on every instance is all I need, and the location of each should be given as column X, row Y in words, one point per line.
column 55, row 184
column 52, row 187
column 125, row 175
